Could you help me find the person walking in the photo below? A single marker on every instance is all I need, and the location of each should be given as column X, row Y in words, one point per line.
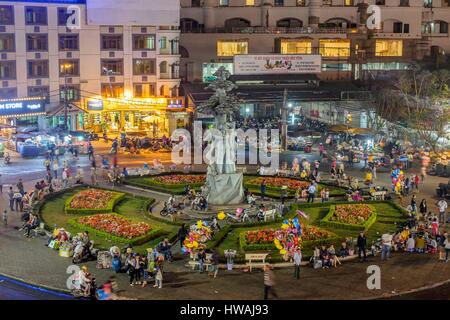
column 263, row 188
column 447, row 248
column 93, row 176
column 65, row 178
column 1, row 184
column 423, row 208
column 20, row 187
column 269, row 282
column 297, row 263
column 55, row 169
column 386, row 241
column 311, row 192
column 158, row 277
column 11, row 198
column 442, row 206
column 361, row 243
column 182, row 233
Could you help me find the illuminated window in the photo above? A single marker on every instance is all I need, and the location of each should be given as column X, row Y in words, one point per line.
column 348, row 3
column 295, row 46
column 334, row 48
column 228, row 48
column 249, row 2
column 389, row 48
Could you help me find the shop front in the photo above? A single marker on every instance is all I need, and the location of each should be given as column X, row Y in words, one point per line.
column 21, row 114
column 153, row 117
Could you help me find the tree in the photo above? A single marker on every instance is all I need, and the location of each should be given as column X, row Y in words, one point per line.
column 421, row 100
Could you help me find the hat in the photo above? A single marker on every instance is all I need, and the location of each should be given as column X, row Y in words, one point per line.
column 149, row 249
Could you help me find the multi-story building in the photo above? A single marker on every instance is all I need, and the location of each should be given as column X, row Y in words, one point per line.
column 115, row 63
column 214, row 32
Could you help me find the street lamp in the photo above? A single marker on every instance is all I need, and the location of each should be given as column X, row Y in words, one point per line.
column 66, row 67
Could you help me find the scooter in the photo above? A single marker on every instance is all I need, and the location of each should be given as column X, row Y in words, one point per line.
column 83, row 252
column 232, row 218
column 79, row 292
column 7, row 159
column 167, row 210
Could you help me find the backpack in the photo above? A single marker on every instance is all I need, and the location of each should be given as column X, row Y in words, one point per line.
column 116, row 264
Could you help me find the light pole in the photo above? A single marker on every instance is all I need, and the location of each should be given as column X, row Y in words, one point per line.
column 284, row 121
column 66, row 66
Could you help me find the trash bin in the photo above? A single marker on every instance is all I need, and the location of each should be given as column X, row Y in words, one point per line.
column 230, row 255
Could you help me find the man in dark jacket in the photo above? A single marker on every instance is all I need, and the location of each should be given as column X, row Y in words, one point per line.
column 361, row 243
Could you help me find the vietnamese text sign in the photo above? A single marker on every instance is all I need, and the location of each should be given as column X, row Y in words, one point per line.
column 12, row 108
column 276, row 64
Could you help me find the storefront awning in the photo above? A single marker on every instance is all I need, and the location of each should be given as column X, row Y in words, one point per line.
column 273, row 93
column 72, row 108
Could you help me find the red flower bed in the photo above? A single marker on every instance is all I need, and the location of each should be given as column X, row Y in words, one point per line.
column 181, row 179
column 260, row 236
column 116, row 226
column 267, row 236
column 352, row 213
column 92, row 199
column 279, row 182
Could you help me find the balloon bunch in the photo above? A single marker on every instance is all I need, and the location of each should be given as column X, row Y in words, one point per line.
column 397, row 175
column 288, row 239
column 199, row 234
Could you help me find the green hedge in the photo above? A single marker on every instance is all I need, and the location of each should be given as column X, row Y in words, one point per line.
column 347, row 226
column 110, row 207
column 152, row 234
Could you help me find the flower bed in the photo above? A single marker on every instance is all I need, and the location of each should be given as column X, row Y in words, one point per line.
column 181, row 179
column 92, row 201
column 277, row 182
column 255, row 240
column 274, row 185
column 356, row 217
column 171, row 183
column 116, row 228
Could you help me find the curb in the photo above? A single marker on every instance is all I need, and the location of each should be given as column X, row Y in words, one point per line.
column 39, row 286
column 145, row 190
column 397, row 294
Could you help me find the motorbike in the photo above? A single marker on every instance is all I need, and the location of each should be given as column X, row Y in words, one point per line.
column 7, row 159
column 83, row 252
column 79, row 291
column 233, row 218
column 167, row 210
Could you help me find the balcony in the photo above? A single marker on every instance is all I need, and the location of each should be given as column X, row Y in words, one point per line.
column 274, row 30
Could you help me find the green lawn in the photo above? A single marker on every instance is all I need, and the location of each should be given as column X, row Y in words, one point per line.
column 149, row 183
column 131, row 207
column 389, row 217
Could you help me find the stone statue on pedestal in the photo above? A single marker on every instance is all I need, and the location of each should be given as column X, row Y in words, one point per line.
column 225, row 185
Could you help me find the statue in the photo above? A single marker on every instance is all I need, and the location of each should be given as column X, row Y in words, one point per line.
column 224, row 184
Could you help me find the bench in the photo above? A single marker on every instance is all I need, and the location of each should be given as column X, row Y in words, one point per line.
column 194, row 262
column 255, row 260
column 378, row 195
column 270, row 214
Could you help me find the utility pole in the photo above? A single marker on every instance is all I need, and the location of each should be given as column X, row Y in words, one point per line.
column 284, row 121
column 66, row 101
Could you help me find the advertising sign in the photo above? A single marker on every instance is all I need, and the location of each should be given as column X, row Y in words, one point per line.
column 18, row 107
column 95, row 105
column 276, row 64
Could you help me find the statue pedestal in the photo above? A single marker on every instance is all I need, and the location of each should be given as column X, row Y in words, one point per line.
column 227, row 188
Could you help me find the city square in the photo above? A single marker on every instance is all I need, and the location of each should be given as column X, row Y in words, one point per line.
column 224, row 150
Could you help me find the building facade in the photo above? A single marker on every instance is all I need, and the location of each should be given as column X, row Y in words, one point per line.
column 116, row 65
column 213, row 31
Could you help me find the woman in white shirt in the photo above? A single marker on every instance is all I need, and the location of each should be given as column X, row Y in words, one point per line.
column 410, row 244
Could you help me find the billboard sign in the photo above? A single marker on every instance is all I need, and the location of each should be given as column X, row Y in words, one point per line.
column 21, row 107
column 277, row 64
column 95, row 105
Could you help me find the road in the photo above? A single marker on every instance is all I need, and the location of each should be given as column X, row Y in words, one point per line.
column 11, row 289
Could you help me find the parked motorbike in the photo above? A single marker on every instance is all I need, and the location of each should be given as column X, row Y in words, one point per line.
column 84, row 252
column 233, row 218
